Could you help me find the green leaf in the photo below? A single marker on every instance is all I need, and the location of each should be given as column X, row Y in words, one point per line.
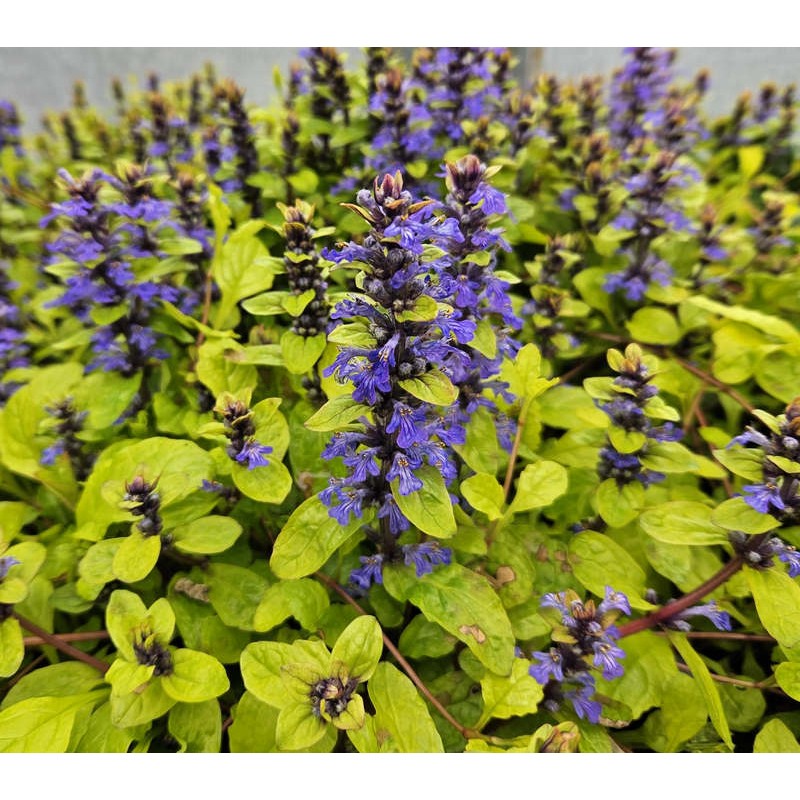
column 105, row 396
column 538, row 485
column 128, row 676
column 295, row 304
column 751, row 158
column 706, row 684
column 777, row 599
column 598, row 561
column 359, row 647
column 742, row 461
column 649, row 666
column 683, row 522
column 196, row 677
column 618, row 506
column 775, row 737
column 253, row 728
column 669, row 457
column 681, row 715
column 136, row 557
column 12, row 590
column 297, row 727
column 300, row 353
column 654, row 326
column 336, row 414
column 433, row 387
column 481, row 451
column 464, row 604
column 267, row 304
column 221, row 368
column 12, row 649
column 402, row 721
column 197, row 727
column 485, row 494
column 41, row 724
column 514, row 695
column 626, row 441
column 425, row 308
column 429, row 508
column 304, row 599
column 736, row 515
column 304, row 182
column 309, row 538
column 140, row 708
column 788, row 676
column 773, row 326
column 212, row 534
column 267, row 484
column 235, row 593
column 424, row 639
column 101, row 736
column 125, row 612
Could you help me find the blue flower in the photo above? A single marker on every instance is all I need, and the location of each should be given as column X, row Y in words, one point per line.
column 549, row 668
column 402, row 469
column 254, row 454
column 606, row 654
column 425, row 555
column 788, row 554
column 6, row 562
column 761, row 496
column 370, row 571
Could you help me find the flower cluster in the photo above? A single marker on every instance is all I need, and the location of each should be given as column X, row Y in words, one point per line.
column 14, row 350
column 241, row 432
column 627, row 410
column 408, row 339
column 777, row 493
column 142, row 500
column 758, row 551
column 585, row 639
column 104, row 241
column 649, row 211
column 10, row 135
column 637, row 92
column 468, row 282
column 69, row 425
column 679, row 621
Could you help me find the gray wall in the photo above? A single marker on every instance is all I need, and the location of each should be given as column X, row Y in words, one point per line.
column 40, row 79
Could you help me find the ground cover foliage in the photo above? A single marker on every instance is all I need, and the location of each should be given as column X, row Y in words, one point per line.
column 420, row 411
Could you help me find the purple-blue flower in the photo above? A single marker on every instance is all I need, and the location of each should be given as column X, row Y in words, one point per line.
column 254, row 454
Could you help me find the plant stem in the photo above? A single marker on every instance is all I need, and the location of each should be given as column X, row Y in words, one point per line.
column 725, row 635
column 711, row 380
column 670, row 609
column 62, row 646
column 736, row 681
column 467, row 733
column 81, row 636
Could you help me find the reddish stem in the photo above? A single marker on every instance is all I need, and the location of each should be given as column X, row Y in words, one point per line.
column 62, row 646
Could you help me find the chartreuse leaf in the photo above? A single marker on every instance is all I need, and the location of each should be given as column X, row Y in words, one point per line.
column 465, row 605
column 124, row 613
column 654, row 326
column 336, row 414
column 433, row 387
column 56, row 680
column 777, row 599
column 295, row 304
column 267, row 484
column 304, row 599
column 598, row 561
column 136, row 557
column 669, row 457
column 138, row 708
column 485, row 494
column 618, row 505
column 42, row 724
column 737, row 515
column 402, row 721
column 309, row 538
column 706, row 684
column 481, row 451
column 128, row 676
column 12, row 650
column 235, row 593
column 430, row 507
column 424, row 639
column 359, row 647
column 298, row 728
column 773, row 326
column 101, row 736
column 775, row 737
column 195, row 677
column 253, row 728
column 538, row 485
column 300, row 353
column 681, row 715
column 197, row 727
column 424, row 308
column 271, row 426
column 788, row 676
column 212, row 534
column 742, row 461
column 649, row 665
column 220, row 368
column 684, row 522
column 514, row 695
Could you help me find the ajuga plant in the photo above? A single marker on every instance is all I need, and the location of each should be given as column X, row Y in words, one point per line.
column 424, row 409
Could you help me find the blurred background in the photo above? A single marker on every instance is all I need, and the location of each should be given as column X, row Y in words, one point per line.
column 41, row 79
